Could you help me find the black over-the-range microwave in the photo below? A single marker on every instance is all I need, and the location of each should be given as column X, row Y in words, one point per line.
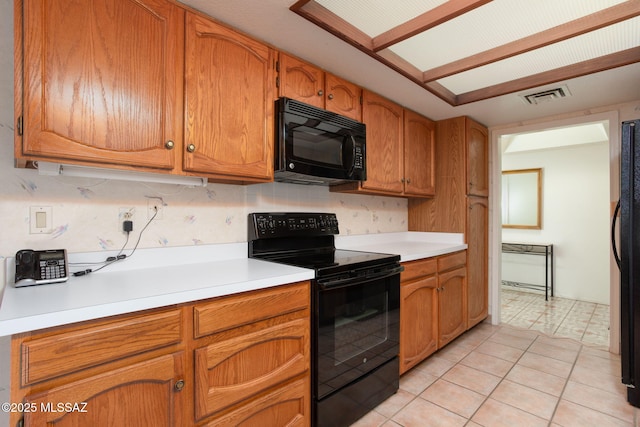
column 315, row 146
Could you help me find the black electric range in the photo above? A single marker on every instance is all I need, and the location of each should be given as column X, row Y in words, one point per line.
column 355, row 304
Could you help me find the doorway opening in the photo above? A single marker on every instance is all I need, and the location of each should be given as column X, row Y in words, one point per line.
column 578, row 183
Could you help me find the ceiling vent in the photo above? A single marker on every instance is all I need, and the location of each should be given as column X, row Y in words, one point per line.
column 546, row 95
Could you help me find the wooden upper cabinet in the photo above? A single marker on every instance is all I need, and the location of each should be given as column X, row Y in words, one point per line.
column 343, row 97
column 307, row 83
column 102, row 81
column 477, row 159
column 229, row 103
column 384, row 121
column 419, row 155
column 301, row 81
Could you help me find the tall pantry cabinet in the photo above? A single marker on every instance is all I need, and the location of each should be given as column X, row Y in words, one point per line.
column 461, row 202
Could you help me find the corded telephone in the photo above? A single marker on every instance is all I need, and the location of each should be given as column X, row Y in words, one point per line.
column 41, row 267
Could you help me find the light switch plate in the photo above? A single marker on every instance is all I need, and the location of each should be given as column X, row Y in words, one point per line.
column 41, row 220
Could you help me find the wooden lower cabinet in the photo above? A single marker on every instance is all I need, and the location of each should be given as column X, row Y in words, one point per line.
column 433, row 306
column 242, row 359
column 143, row 394
column 452, row 305
column 477, row 260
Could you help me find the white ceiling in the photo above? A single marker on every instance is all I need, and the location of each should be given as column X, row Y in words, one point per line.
column 273, row 22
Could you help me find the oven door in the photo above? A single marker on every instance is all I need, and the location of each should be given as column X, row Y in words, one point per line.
column 357, row 328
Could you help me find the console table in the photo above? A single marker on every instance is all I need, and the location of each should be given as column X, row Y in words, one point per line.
column 540, row 249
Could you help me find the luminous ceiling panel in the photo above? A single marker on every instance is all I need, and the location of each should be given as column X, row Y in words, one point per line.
column 556, row 138
column 374, row 17
column 492, row 25
column 621, row 36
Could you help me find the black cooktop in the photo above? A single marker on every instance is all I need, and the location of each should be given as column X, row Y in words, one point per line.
column 331, row 261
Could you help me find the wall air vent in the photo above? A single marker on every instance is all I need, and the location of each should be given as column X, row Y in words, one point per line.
column 546, row 95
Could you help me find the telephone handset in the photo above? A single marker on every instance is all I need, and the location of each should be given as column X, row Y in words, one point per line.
column 41, row 267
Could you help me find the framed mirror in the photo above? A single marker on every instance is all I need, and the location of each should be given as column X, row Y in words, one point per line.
column 522, row 199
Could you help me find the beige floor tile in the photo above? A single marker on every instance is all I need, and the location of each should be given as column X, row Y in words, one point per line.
column 490, row 364
column 420, row 413
column 392, row 405
column 390, row 424
column 538, row 380
column 510, row 340
column 600, row 380
column 372, row 419
column 473, row 379
column 455, row 352
column 500, row 350
column 569, row 414
column 415, row 381
column 497, row 414
column 435, row 365
column 602, row 401
column 546, row 364
column 605, row 366
column 529, row 400
column 454, row 398
column 554, row 351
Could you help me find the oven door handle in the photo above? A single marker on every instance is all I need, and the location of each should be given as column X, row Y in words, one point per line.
column 351, row 281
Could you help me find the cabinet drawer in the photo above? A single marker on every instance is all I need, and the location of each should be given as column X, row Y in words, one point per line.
column 289, row 405
column 447, row 262
column 414, row 269
column 237, row 310
column 66, row 352
column 228, row 372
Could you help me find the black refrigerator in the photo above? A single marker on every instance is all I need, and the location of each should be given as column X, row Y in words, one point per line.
column 628, row 258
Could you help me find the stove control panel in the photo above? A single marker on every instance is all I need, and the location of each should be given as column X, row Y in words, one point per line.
column 266, row 225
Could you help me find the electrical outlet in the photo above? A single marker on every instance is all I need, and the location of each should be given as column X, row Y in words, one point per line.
column 125, row 214
column 154, row 205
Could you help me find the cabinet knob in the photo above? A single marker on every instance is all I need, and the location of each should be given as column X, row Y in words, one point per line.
column 179, row 385
column 330, row 96
column 191, row 148
column 402, row 180
column 408, row 181
column 320, row 92
column 169, row 145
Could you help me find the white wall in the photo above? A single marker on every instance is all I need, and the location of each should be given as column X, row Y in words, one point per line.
column 575, row 220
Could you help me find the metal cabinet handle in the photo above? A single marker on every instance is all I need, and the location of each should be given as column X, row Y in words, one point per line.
column 169, row 145
column 179, row 385
column 320, row 92
column 330, row 96
column 408, row 181
column 191, row 148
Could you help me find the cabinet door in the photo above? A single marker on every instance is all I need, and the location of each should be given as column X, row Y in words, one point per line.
column 384, row 143
column 452, row 305
column 103, row 81
column 418, row 321
column 229, row 86
column 301, row 81
column 477, row 159
column 477, row 261
column 236, row 369
column 144, row 394
column 343, row 97
column 419, row 155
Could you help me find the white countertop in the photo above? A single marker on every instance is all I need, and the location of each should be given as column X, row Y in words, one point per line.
column 410, row 245
column 160, row 277
column 151, row 278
